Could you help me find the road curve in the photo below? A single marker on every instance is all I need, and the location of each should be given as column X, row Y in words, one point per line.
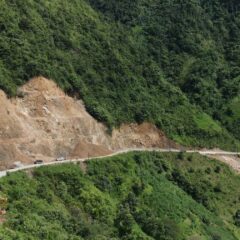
column 169, row 150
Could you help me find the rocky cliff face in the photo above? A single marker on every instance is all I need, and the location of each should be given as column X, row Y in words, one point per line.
column 45, row 123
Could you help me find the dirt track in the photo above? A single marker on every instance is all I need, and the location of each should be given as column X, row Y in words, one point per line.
column 231, row 160
column 210, row 153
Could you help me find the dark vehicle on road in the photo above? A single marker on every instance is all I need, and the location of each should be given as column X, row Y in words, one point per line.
column 38, row 162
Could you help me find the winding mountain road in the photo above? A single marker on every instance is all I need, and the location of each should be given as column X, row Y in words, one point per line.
column 202, row 152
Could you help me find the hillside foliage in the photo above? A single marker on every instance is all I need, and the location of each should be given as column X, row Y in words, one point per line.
column 172, row 63
column 132, row 196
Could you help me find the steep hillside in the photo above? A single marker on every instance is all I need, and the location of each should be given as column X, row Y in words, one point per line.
column 196, row 44
column 175, row 65
column 44, row 123
column 143, row 196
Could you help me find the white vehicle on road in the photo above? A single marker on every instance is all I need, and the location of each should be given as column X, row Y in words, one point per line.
column 60, row 159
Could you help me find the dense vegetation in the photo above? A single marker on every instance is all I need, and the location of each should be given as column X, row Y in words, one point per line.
column 174, row 63
column 132, row 196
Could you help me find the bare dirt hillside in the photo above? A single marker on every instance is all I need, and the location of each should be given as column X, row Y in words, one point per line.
column 232, row 161
column 44, row 123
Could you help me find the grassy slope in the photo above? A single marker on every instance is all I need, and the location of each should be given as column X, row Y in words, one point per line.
column 131, row 196
column 123, row 71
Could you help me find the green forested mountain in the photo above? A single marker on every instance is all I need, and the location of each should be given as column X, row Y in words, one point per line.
column 137, row 196
column 174, row 63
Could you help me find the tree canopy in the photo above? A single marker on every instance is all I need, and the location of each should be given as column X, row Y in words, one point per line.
column 172, row 63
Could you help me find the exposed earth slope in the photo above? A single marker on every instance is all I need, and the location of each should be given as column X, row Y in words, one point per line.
column 44, row 123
